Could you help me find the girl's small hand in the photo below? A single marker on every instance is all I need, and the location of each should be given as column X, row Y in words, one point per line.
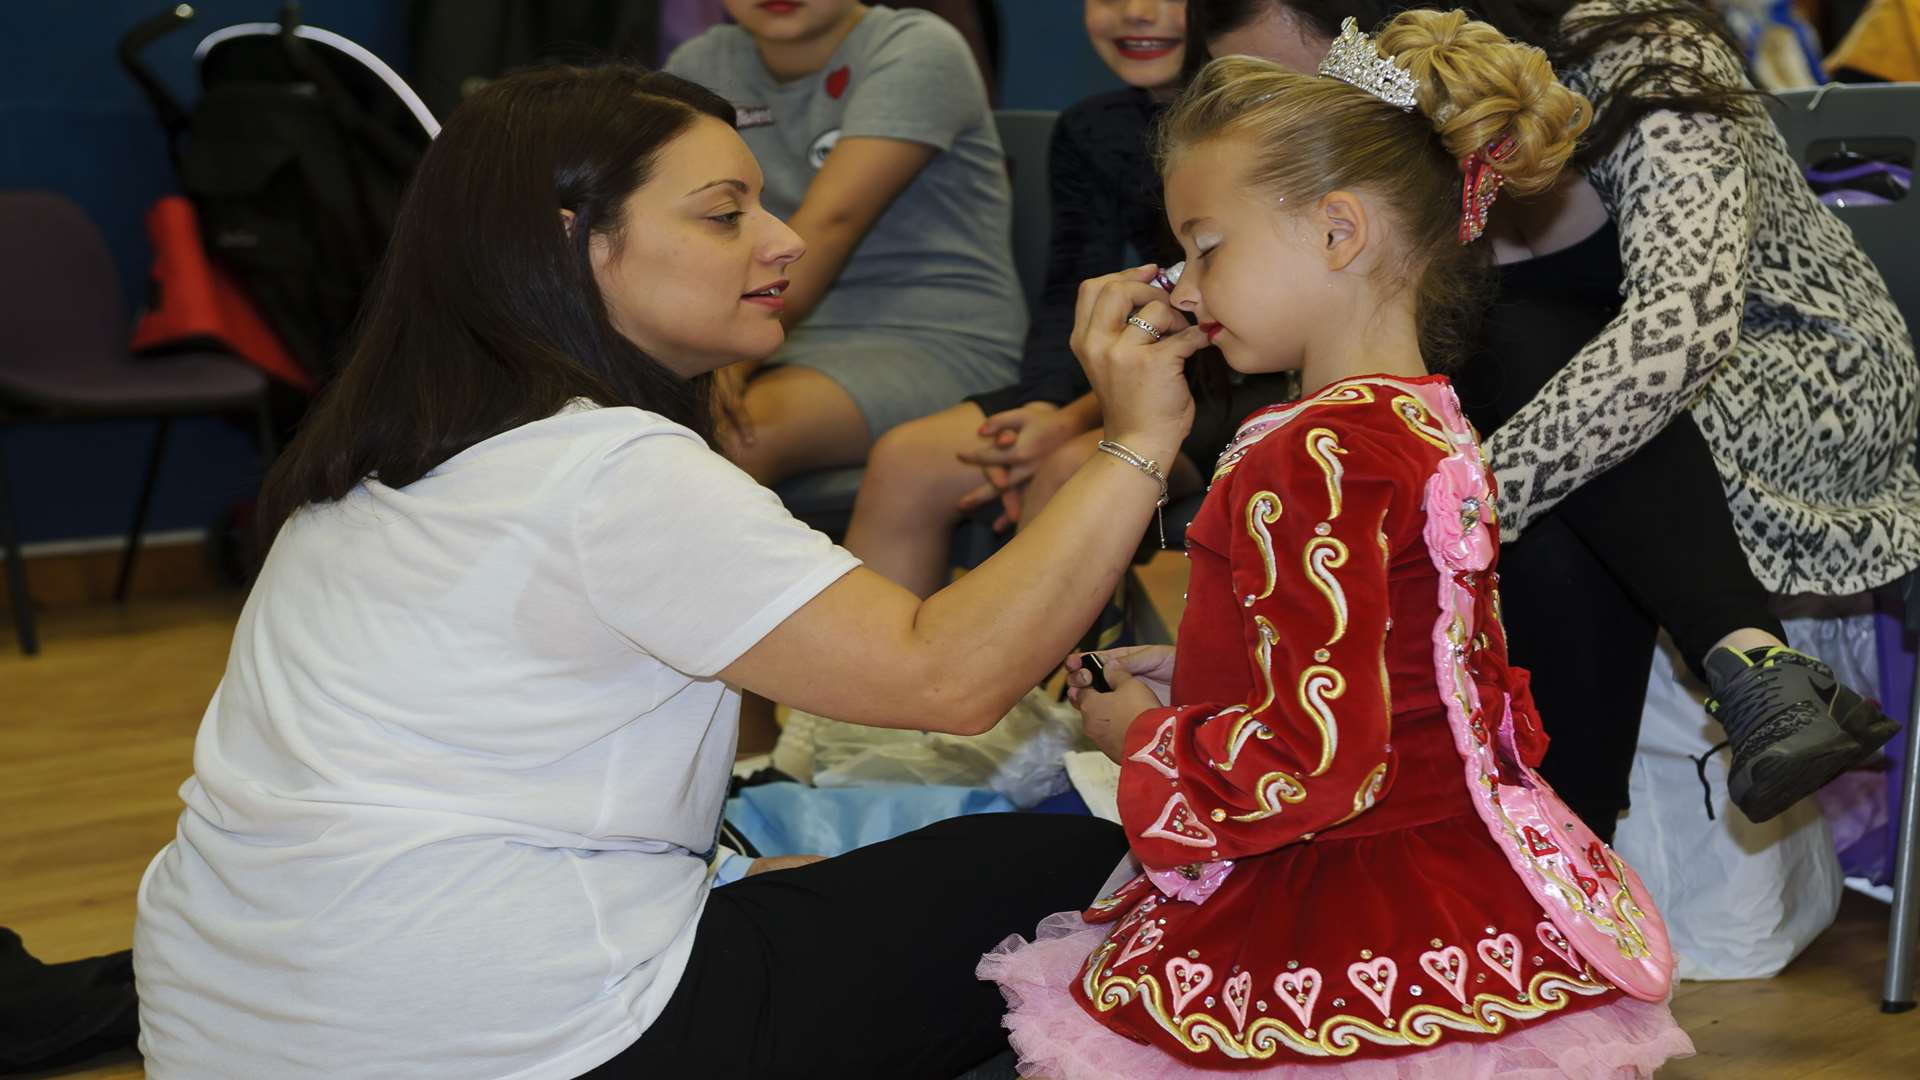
column 1106, row 717
column 1151, row 664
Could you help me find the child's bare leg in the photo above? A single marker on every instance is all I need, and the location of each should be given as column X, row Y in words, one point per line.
column 904, row 517
column 1747, row 638
column 801, row 420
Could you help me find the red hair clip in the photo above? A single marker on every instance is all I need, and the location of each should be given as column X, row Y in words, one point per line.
column 1480, row 184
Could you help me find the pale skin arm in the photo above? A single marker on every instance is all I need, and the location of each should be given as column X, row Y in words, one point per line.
column 868, row 651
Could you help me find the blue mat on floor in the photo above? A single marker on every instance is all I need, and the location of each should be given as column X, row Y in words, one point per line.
column 794, row 819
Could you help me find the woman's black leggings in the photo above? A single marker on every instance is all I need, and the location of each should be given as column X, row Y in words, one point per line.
column 862, row 965
column 1645, row 545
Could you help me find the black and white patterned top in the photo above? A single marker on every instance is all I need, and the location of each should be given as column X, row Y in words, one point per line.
column 1748, row 302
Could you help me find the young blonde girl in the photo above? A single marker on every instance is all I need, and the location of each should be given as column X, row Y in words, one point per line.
column 1350, row 863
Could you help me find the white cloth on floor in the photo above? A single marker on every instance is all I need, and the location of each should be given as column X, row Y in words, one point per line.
column 1020, row 758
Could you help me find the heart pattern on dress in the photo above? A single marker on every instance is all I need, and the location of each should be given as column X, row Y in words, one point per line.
column 1374, row 979
column 1556, row 943
column 1448, row 967
column 1597, row 858
column 1158, row 754
column 1299, row 991
column 1142, row 942
column 1502, row 954
column 1538, row 844
column 1590, row 886
column 1177, row 822
column 1187, row 978
column 1236, row 992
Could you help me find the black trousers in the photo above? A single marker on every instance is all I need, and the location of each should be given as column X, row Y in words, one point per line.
column 862, row 965
column 1645, row 545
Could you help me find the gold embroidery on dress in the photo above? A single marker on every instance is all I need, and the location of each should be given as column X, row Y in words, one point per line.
column 1324, row 555
column 1353, row 394
column 1320, row 684
column 1323, row 446
column 1272, row 790
column 1413, row 413
column 1263, row 510
column 1249, row 725
column 1340, row 1034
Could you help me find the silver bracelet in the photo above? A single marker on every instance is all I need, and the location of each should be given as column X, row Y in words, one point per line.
column 1151, row 468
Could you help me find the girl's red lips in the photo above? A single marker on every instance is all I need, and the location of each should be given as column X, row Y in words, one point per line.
column 1211, row 329
column 780, row 7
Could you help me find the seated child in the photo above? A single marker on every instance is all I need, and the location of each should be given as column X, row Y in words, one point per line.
column 1019, row 442
column 1353, row 868
column 880, row 150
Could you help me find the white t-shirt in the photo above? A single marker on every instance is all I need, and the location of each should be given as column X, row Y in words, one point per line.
column 450, row 801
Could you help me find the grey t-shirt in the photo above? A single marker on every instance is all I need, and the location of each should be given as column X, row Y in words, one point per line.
column 938, row 261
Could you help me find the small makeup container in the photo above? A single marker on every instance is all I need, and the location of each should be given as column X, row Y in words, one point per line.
column 1168, row 277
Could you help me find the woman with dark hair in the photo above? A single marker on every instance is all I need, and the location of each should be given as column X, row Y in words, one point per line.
column 1695, row 390
column 454, row 803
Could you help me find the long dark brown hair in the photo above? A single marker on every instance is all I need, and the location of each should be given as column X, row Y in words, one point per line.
column 1568, row 43
column 485, row 314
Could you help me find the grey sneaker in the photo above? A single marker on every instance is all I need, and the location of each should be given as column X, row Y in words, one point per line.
column 1793, row 726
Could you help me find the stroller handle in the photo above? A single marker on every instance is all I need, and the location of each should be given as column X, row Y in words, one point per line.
column 135, row 41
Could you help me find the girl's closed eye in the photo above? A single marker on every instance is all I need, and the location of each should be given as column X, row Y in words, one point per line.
column 728, row 218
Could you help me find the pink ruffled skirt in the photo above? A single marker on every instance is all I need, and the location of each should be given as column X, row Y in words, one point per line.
column 1056, row 1040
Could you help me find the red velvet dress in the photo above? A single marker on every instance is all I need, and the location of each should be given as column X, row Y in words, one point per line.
column 1367, row 912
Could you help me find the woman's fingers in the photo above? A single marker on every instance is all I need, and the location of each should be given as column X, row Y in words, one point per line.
column 1092, row 289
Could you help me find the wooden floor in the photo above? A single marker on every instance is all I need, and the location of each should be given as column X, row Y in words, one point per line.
column 96, row 735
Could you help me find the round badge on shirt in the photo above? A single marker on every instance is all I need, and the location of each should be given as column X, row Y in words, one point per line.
column 822, row 146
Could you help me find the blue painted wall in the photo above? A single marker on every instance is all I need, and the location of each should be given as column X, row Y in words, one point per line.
column 71, row 122
column 1046, row 61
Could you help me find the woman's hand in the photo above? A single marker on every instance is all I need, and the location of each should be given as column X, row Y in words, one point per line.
column 1140, row 380
column 1106, row 717
column 1152, row 665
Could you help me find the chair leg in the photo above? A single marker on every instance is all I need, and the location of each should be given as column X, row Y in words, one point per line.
column 154, row 453
column 1896, row 994
column 21, row 603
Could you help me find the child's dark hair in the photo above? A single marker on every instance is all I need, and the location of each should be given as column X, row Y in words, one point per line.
column 1316, row 134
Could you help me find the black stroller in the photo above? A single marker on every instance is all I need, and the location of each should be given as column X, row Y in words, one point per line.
column 294, row 158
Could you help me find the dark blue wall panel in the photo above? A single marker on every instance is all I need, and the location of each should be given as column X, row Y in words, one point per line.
column 71, row 122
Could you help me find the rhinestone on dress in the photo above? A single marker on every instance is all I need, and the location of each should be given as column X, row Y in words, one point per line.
column 1293, row 965
column 1322, row 529
column 1322, row 655
column 1414, row 990
column 1435, row 943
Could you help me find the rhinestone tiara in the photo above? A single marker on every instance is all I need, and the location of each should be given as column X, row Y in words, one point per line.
column 1353, row 59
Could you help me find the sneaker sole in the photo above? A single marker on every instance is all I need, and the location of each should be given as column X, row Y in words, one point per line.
column 1795, row 768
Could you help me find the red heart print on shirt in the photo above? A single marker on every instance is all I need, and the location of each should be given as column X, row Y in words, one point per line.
column 837, row 81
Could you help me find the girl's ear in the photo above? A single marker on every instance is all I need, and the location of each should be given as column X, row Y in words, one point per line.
column 1343, row 228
